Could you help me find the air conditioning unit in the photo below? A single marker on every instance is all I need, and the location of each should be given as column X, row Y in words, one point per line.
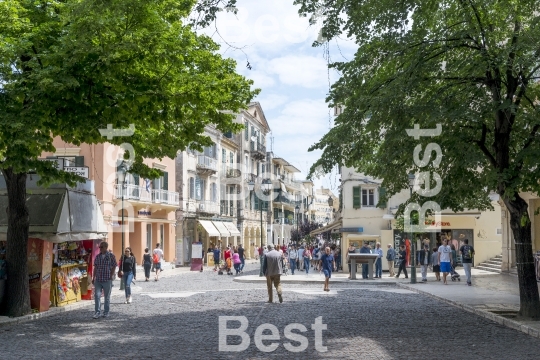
column 201, row 207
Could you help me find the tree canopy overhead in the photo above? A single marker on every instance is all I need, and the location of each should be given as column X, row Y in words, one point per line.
column 71, row 67
column 470, row 66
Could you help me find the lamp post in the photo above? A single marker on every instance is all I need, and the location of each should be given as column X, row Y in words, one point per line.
column 265, row 188
column 413, row 243
column 121, row 174
column 297, row 211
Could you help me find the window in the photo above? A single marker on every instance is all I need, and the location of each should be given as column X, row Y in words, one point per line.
column 247, row 165
column 161, row 183
column 368, row 197
column 199, row 188
column 213, row 192
column 192, row 188
column 223, row 156
column 231, row 155
column 246, row 130
column 149, row 236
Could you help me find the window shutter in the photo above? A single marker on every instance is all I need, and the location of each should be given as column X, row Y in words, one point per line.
column 382, row 193
column 79, row 161
column 155, row 183
column 191, row 188
column 136, row 179
column 246, row 130
column 165, row 182
column 356, row 197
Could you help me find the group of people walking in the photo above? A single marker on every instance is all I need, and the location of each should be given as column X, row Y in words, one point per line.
column 442, row 259
column 104, row 273
column 233, row 256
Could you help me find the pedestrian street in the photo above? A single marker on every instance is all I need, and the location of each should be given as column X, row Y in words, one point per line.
column 179, row 317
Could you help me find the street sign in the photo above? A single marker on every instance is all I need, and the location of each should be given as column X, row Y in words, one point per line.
column 79, row 170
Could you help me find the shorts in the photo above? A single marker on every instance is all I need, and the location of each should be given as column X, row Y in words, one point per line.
column 327, row 273
column 157, row 266
column 445, row 267
column 436, row 268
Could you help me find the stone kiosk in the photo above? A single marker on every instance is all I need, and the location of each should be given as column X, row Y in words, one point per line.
column 362, row 259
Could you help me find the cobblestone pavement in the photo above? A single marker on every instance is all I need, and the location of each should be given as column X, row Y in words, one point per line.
column 178, row 318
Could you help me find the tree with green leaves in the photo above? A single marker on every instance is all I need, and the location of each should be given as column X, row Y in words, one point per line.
column 71, row 67
column 471, row 67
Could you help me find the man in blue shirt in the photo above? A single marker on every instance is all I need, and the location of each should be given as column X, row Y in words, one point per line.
column 365, row 250
column 327, row 263
column 216, row 258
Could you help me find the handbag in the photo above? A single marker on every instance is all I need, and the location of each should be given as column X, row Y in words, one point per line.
column 120, row 272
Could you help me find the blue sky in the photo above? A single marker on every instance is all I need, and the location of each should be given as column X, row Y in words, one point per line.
column 291, row 74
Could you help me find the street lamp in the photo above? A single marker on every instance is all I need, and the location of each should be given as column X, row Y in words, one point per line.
column 413, row 243
column 266, row 187
column 297, row 211
column 330, row 201
column 121, row 175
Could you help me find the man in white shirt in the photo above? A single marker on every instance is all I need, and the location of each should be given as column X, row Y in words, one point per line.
column 157, row 256
column 445, row 259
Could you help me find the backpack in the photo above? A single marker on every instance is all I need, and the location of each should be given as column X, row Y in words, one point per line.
column 467, row 253
column 156, row 258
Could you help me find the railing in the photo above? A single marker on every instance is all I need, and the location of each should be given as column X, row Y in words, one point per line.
column 232, row 172
column 132, row 192
column 207, row 206
column 257, row 147
column 227, row 210
column 165, row 197
column 205, row 162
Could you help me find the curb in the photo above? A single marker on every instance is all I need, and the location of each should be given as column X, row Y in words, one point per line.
column 316, row 281
column 512, row 324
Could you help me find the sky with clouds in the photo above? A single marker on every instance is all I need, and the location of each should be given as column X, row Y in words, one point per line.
column 292, row 75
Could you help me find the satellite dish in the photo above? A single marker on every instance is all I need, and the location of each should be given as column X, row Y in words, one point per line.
column 254, row 138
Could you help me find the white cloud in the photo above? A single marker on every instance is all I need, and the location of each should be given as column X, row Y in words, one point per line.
column 300, row 70
column 301, row 117
column 271, row 101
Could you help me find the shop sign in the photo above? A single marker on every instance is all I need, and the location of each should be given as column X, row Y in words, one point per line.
column 34, row 278
column 438, row 223
column 144, row 213
column 351, row 230
column 78, row 170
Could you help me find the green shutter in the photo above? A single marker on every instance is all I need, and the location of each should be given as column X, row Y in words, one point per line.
column 356, row 197
column 382, row 193
column 79, row 161
column 165, row 183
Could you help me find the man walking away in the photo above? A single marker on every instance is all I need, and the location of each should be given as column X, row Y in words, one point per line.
column 293, row 256
column 467, row 254
column 273, row 269
column 216, row 258
column 300, row 253
column 157, row 256
column 103, row 274
column 402, row 262
column 445, row 253
column 242, row 257
column 378, row 262
column 327, row 264
column 435, row 264
column 365, row 250
column 424, row 259
column 391, row 257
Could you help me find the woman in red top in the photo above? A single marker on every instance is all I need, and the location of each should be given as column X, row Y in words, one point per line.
column 227, row 255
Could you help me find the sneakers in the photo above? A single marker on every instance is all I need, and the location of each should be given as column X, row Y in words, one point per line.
column 129, row 300
column 280, row 298
column 105, row 315
column 424, row 280
column 96, row 315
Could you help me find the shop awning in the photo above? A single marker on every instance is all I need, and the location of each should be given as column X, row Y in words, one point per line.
column 335, row 225
column 221, row 228
column 232, row 229
column 59, row 213
column 209, row 227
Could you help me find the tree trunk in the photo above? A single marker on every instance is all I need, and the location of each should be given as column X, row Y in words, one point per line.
column 17, row 302
column 520, row 223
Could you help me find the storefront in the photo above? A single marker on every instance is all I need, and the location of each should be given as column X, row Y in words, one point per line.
column 66, row 226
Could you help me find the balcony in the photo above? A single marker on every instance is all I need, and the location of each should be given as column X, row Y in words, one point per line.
column 227, row 210
column 258, row 150
column 206, row 165
column 140, row 194
column 165, row 197
column 232, row 173
column 207, row 207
